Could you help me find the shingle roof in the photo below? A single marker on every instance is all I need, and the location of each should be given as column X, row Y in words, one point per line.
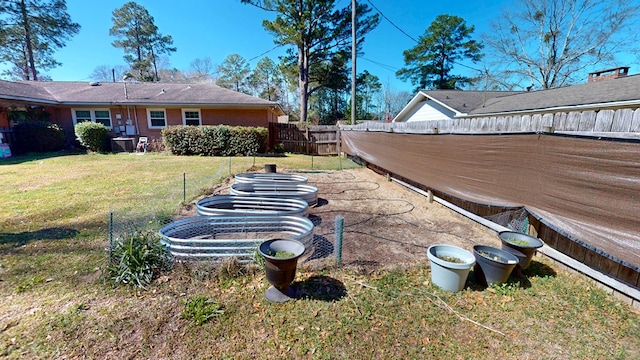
column 137, row 93
column 597, row 92
column 24, row 91
column 465, row 101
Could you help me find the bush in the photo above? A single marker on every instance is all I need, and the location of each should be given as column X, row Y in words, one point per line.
column 39, row 136
column 92, row 135
column 137, row 259
column 219, row 140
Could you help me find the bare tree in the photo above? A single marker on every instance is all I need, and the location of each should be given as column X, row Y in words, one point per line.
column 551, row 42
column 201, row 70
column 392, row 101
column 107, row 73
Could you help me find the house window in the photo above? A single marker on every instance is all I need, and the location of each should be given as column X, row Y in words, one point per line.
column 157, row 118
column 191, row 117
column 82, row 115
column 101, row 116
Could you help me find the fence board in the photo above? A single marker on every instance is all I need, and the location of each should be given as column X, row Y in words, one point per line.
column 307, row 139
column 622, row 120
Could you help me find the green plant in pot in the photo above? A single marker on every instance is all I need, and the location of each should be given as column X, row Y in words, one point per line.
column 280, row 262
column 450, row 266
column 493, row 265
column 523, row 243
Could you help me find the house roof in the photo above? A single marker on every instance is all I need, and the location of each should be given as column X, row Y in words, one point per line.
column 458, row 101
column 600, row 93
column 465, row 101
column 24, row 91
column 111, row 93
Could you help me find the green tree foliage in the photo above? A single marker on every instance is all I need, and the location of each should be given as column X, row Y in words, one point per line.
column 320, row 36
column 266, row 80
column 31, row 31
column 367, row 85
column 233, row 73
column 550, row 42
column 138, row 36
column 446, row 41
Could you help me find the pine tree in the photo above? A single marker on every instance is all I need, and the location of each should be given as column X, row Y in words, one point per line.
column 31, row 32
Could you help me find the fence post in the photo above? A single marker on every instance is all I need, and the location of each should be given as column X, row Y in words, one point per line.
column 308, row 140
column 337, row 248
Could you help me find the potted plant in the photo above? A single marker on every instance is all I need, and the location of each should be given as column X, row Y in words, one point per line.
column 493, row 265
column 450, row 266
column 523, row 243
column 280, row 262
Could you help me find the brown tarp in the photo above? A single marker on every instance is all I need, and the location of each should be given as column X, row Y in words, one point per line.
column 587, row 189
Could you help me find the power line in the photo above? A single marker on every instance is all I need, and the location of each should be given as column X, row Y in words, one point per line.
column 391, row 22
column 384, row 66
column 411, row 37
column 266, row 52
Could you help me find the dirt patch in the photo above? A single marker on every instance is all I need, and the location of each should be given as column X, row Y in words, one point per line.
column 384, row 223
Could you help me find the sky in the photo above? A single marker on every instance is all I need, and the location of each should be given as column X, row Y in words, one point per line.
column 218, row 28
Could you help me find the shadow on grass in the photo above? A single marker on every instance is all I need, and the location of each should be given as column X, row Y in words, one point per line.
column 320, row 287
column 476, row 281
column 22, row 158
column 23, row 238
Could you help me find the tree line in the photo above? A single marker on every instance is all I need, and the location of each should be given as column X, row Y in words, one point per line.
column 534, row 44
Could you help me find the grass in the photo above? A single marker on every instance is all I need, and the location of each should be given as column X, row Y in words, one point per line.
column 55, row 302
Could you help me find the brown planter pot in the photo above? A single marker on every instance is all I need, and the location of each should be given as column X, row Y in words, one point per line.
column 280, row 270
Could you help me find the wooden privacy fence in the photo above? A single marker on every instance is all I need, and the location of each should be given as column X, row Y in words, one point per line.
column 306, row 139
column 606, row 122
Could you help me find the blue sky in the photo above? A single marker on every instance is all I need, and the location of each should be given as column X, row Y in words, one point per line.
column 217, row 28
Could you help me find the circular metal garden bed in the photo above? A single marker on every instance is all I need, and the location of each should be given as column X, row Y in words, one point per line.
column 210, row 237
column 270, row 178
column 305, row 192
column 236, row 205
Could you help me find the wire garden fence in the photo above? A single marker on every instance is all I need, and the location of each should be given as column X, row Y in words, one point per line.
column 177, row 202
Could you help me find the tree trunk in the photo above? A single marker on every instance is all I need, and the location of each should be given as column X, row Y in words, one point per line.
column 27, row 34
column 303, row 80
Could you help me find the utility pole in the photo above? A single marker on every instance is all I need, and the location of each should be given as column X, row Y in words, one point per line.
column 353, row 62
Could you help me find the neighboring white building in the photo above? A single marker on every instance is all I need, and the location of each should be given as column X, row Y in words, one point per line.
column 606, row 89
column 430, row 105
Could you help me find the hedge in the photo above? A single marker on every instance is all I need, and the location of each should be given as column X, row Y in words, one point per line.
column 39, row 136
column 221, row 140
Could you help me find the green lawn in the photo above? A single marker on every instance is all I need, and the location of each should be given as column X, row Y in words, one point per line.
column 54, row 216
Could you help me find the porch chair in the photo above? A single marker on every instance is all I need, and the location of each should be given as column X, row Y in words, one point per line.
column 143, row 142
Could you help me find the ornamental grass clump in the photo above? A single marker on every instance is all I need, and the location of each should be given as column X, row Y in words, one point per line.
column 137, row 259
column 200, row 309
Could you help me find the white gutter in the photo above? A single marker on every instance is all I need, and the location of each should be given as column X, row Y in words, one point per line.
column 551, row 253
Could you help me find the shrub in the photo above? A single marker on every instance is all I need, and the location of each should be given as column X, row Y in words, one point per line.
column 219, row 140
column 39, row 136
column 137, row 259
column 92, row 135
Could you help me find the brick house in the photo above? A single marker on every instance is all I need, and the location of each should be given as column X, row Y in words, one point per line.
column 133, row 109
